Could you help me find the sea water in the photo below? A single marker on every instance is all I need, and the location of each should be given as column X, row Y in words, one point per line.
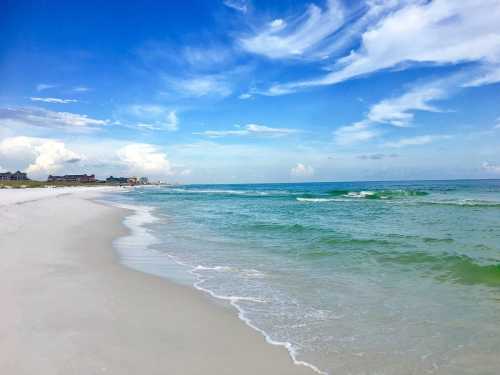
column 353, row 278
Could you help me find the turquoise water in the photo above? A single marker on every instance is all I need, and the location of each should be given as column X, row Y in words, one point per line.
column 354, row 278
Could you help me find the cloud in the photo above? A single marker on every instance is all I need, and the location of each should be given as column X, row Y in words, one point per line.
column 399, row 111
column 81, row 89
column 396, row 111
column 249, row 129
column 377, row 156
column 201, row 85
column 158, row 117
column 44, row 86
column 439, row 32
column 42, row 155
column 486, row 76
column 40, row 117
column 239, row 5
column 357, row 132
column 302, row 171
column 141, row 158
column 53, row 100
column 417, row 141
column 490, row 167
column 297, row 37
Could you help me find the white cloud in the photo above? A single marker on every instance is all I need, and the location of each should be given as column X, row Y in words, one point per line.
column 81, row 89
column 239, row 5
column 53, row 100
column 155, row 117
column 439, row 32
column 357, row 132
column 141, row 158
column 489, row 167
column 44, row 86
column 41, row 155
column 249, row 129
column 486, row 76
column 417, row 141
column 302, row 171
column 397, row 111
column 202, row 85
column 40, row 117
column 299, row 36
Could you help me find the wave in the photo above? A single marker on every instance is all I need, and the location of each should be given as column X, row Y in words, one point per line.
column 460, row 269
column 318, row 200
column 464, row 203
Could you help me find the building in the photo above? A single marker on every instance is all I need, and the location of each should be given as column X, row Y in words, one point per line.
column 117, row 180
column 16, row 176
column 133, row 181
column 143, row 181
column 82, row 178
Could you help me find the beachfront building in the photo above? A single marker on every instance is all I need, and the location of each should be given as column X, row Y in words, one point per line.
column 82, row 178
column 16, row 176
column 143, row 181
column 117, row 180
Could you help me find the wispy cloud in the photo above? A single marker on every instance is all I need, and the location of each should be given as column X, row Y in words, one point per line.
column 44, row 86
column 201, row 85
column 397, row 111
column 250, row 129
column 296, row 37
column 441, row 32
column 417, row 141
column 81, row 89
column 239, row 5
column 377, row 156
column 40, row 117
column 491, row 167
column 151, row 116
column 53, row 100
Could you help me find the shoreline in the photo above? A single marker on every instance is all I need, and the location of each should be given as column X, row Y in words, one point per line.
column 72, row 307
column 137, row 231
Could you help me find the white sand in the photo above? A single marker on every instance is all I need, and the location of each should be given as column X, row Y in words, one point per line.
column 68, row 307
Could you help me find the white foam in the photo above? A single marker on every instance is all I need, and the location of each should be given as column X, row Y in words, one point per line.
column 318, row 200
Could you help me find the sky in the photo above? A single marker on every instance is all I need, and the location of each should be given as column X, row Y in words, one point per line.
column 240, row 91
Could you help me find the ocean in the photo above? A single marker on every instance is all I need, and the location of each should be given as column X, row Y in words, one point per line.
column 352, row 278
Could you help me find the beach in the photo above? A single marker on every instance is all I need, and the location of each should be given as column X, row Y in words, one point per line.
column 70, row 307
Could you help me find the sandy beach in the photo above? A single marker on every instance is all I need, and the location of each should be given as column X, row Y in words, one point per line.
column 69, row 307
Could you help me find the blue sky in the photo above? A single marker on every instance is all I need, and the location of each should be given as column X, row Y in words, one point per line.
column 251, row 91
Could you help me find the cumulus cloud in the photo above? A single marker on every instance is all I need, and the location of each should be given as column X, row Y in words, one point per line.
column 53, row 100
column 141, row 158
column 302, row 171
column 490, row 167
column 249, row 129
column 40, row 117
column 41, row 155
column 439, row 32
